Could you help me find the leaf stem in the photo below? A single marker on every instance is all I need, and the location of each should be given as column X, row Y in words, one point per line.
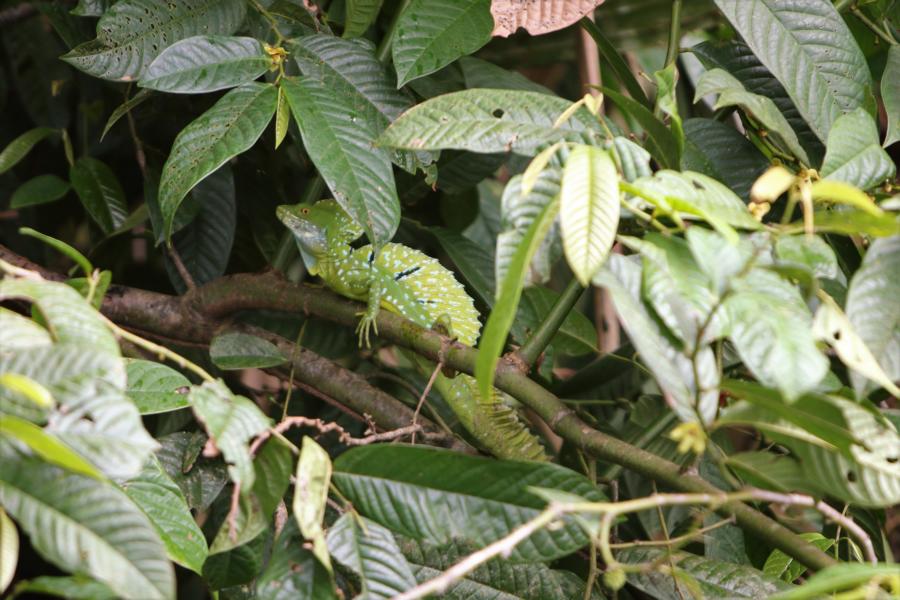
column 539, row 341
column 674, row 33
column 859, row 14
column 279, row 38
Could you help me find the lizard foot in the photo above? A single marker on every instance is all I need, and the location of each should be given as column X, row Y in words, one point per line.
column 366, row 323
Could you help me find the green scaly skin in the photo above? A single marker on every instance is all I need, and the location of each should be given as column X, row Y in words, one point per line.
column 416, row 286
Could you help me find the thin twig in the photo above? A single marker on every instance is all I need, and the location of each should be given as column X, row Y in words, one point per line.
column 185, row 275
column 675, row 541
column 431, row 380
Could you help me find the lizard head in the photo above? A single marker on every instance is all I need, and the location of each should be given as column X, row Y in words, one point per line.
column 320, row 229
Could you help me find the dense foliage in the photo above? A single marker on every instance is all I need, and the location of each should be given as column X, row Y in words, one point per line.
column 688, row 271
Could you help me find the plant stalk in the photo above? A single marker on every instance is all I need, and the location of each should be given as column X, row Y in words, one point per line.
column 674, row 33
column 541, row 338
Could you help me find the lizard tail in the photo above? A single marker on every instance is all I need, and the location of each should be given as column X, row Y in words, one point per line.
column 493, row 422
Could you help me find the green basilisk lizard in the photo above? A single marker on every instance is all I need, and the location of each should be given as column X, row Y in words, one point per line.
column 416, row 286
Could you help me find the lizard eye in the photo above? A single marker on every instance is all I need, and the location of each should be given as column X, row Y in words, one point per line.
column 304, row 211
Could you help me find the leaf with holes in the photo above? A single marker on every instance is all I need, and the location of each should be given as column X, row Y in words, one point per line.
column 163, row 503
column 230, row 127
column 473, row 499
column 202, row 63
column 487, row 121
column 811, row 51
column 83, row 526
column 854, row 154
column 873, row 310
column 154, row 387
column 589, row 209
column 431, row 34
column 100, row 192
column 134, row 32
column 339, row 139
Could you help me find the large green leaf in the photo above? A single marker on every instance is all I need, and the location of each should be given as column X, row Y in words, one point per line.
column 472, row 499
column 854, row 153
column 204, row 245
column 134, row 32
column 890, row 95
column 771, row 329
column 19, row 148
column 770, row 471
column 487, row 121
column 762, row 109
column 42, row 189
column 200, row 479
column 873, row 310
column 206, row 63
column 352, row 71
column 589, row 209
column 433, row 33
column 154, row 387
column 46, row 445
column 77, row 587
column 518, row 212
column 498, row 579
column 231, row 421
column 313, row 479
column 719, row 151
column 839, row 577
column 810, row 50
column 493, row 338
column 370, row 551
column 339, row 140
column 735, row 57
column 18, row 333
column 672, row 369
column 785, row 567
column 82, row 525
column 697, row 576
column 100, row 192
column 360, row 15
column 230, row 127
column 163, row 503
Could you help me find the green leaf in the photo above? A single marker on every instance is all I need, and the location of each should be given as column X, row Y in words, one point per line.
column 352, row 71
column 388, row 484
column 100, row 192
column 85, row 526
column 719, row 151
column 661, row 142
column 293, row 572
column 360, row 15
column 9, row 550
column 19, row 333
column 123, row 109
column 619, row 67
column 873, row 310
column 890, row 95
column 493, row 338
column 735, row 57
column 666, row 80
column 852, row 222
column 713, row 578
column 272, row 469
column 810, row 50
column 672, row 369
column 237, row 567
column 497, row 579
column 202, row 63
column 811, row 252
column 372, row 553
column 632, row 159
column 433, row 33
column 155, row 388
column 47, row 446
column 77, row 587
column 762, row 109
column 200, row 479
column 134, row 32
column 518, row 213
column 230, row 127
column 489, row 121
column 63, row 248
column 91, row 8
column 231, row 421
column 339, row 140
column 770, row 471
column 773, row 336
column 204, row 245
column 696, row 196
column 478, row 73
column 840, row 577
column 244, row 351
column 42, row 189
column 588, row 210
column 21, row 146
column 576, row 336
column 784, row 567
column 163, row 503
column 854, row 154
column 311, row 494
column 282, row 118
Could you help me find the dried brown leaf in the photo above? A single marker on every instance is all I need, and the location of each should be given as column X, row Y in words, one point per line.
column 538, row 16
